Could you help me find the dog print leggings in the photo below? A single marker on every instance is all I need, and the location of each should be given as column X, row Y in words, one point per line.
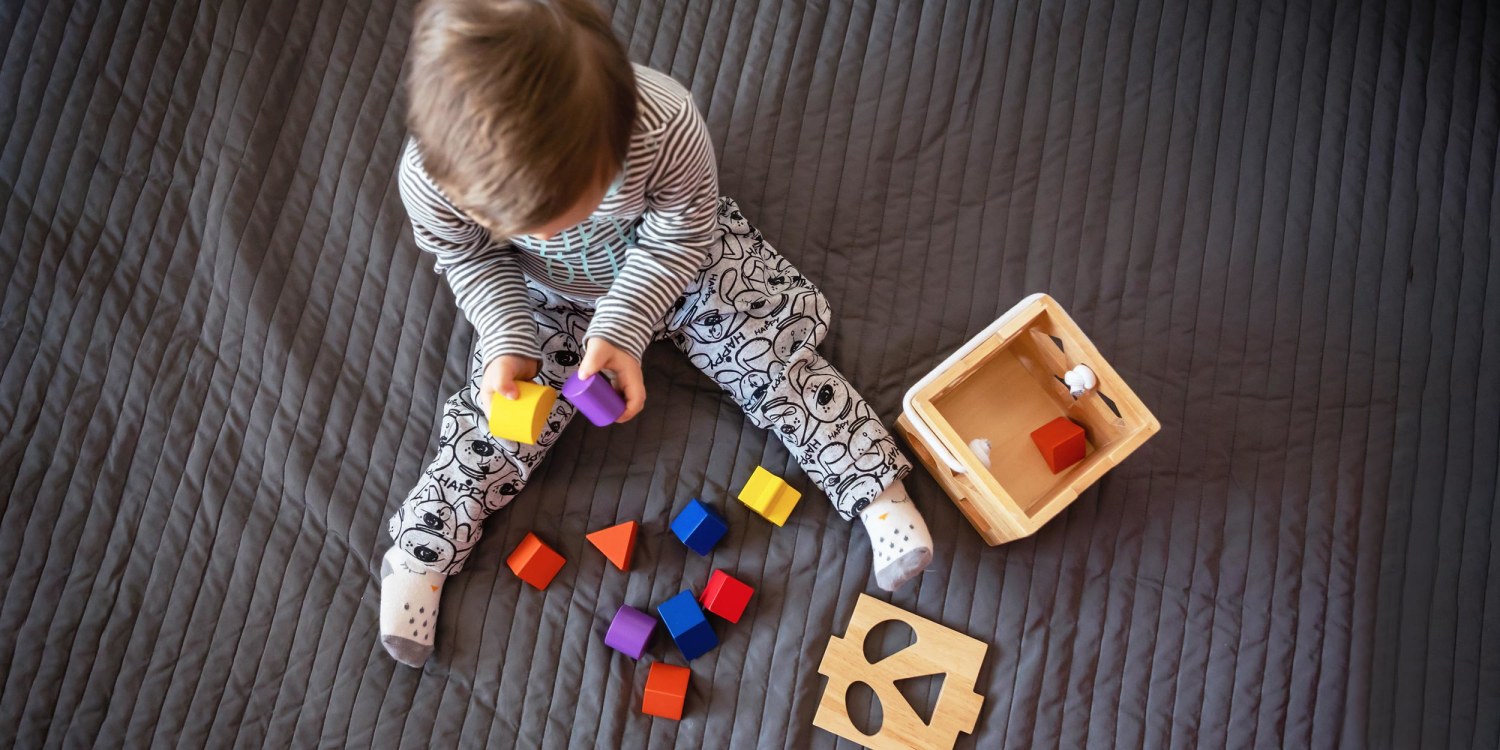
column 749, row 320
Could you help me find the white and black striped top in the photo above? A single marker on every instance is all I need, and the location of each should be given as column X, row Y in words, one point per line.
column 633, row 257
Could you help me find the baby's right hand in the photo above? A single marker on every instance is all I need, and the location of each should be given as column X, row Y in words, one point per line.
column 501, row 374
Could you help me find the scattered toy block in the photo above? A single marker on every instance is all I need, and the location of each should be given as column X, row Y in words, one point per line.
column 595, row 397
column 534, row 562
column 523, row 419
column 688, row 626
column 770, row 496
column 1061, row 443
column 630, row 631
column 617, row 543
column 937, row 651
column 699, row 527
column 726, row 596
column 666, row 691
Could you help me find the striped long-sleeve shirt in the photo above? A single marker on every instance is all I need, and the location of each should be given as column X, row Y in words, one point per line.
column 633, row 257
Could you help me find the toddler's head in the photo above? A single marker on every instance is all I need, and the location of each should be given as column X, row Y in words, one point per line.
column 523, row 108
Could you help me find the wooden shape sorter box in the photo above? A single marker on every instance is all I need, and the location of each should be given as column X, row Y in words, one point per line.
column 1001, row 386
column 937, row 650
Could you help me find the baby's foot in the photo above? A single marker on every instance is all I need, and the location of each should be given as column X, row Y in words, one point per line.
column 408, row 607
column 898, row 537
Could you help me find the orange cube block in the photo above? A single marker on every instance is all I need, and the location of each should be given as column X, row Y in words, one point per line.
column 534, row 562
column 1061, row 443
column 666, row 691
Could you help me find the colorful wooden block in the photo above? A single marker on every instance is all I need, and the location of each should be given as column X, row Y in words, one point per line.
column 698, row 527
column 617, row 543
column 595, row 398
column 522, row 419
column 534, row 562
column 770, row 496
column 666, row 691
column 1061, row 442
column 630, row 631
column 726, row 596
column 688, row 626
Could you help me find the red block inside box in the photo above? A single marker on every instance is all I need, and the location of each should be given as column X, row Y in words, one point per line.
column 1061, row 443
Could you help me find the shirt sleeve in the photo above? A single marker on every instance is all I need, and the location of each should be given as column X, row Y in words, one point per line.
column 485, row 275
column 677, row 232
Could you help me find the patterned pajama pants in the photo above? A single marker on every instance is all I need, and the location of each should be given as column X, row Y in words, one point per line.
column 749, row 320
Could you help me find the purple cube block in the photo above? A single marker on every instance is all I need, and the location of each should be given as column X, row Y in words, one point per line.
column 595, row 397
column 630, row 631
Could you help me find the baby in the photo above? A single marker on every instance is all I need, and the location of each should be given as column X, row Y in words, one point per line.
column 572, row 201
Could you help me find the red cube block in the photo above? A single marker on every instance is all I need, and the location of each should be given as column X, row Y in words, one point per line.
column 1061, row 443
column 726, row 596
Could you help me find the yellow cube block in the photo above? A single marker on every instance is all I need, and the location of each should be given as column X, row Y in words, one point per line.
column 770, row 496
column 522, row 420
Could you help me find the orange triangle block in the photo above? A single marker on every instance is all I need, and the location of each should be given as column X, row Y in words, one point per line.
column 617, row 543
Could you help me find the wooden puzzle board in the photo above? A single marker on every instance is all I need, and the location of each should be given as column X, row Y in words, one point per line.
column 936, row 650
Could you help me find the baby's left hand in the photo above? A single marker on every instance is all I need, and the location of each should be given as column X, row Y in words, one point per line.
column 599, row 354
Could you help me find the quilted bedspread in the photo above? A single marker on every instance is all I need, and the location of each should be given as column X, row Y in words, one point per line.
column 222, row 357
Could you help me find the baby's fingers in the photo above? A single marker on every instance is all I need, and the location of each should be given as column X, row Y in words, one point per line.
column 634, row 389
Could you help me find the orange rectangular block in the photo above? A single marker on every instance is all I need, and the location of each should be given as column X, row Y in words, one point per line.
column 1061, row 443
column 666, row 691
column 534, row 562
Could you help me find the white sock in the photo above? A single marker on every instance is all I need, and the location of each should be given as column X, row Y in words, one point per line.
column 409, row 598
column 898, row 537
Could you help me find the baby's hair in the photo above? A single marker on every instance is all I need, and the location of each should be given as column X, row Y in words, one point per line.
column 519, row 107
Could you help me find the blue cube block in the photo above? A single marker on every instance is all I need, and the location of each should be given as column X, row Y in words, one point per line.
column 699, row 528
column 688, row 625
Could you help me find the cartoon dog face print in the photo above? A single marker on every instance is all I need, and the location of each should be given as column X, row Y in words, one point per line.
column 752, row 390
column 427, row 546
column 793, row 335
column 733, row 248
column 732, row 220
column 467, row 448
column 772, row 274
column 758, row 305
column 711, row 326
column 856, row 491
column 560, row 353
column 790, row 419
column 851, row 491
column 871, row 447
column 432, row 512
column 825, row 394
column 499, row 494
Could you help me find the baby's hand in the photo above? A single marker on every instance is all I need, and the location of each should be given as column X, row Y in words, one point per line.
column 599, row 354
column 501, row 374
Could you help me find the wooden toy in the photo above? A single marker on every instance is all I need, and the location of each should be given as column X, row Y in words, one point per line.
column 595, row 398
column 937, row 650
column 522, row 420
column 770, row 496
column 617, row 543
column 698, row 527
column 534, row 562
column 1000, row 386
column 687, row 625
column 726, row 596
column 666, row 691
column 1061, row 443
column 630, row 631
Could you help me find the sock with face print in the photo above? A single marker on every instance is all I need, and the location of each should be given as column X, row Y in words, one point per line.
column 408, row 607
column 898, row 537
